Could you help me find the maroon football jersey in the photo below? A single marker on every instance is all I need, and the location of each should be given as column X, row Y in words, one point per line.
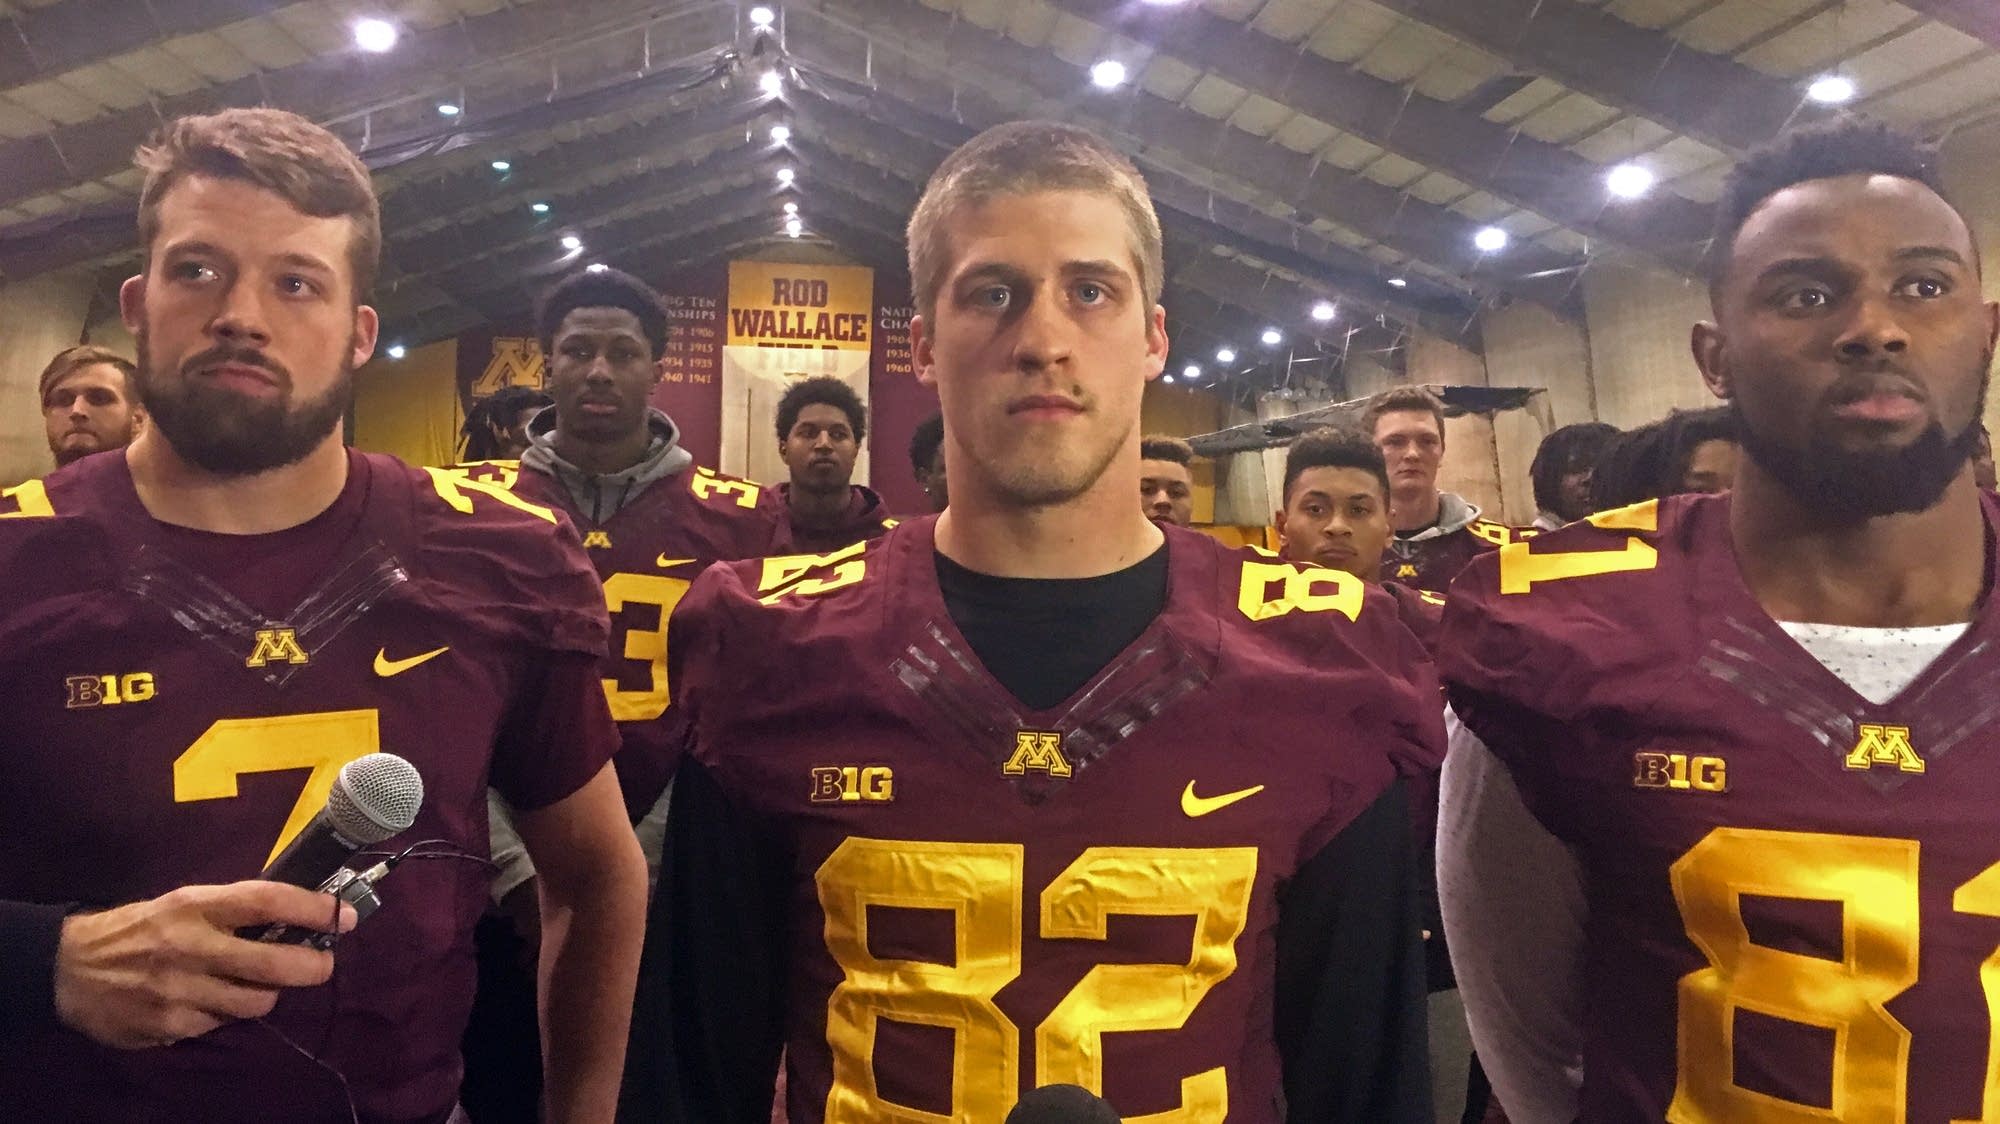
column 647, row 554
column 1431, row 564
column 864, row 519
column 179, row 704
column 1794, row 893
column 986, row 899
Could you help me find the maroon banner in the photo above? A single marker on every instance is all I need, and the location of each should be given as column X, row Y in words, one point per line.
column 691, row 391
column 897, row 402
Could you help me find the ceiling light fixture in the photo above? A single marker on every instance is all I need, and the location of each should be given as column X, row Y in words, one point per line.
column 449, row 109
column 1490, row 240
column 595, row 267
column 502, row 166
column 1191, row 372
column 374, row 36
column 1324, row 311
column 780, row 134
column 1226, row 355
column 539, row 208
column 794, row 227
column 397, row 351
column 771, row 82
column 1399, row 283
column 572, row 243
column 1831, row 89
column 786, row 176
column 791, row 208
column 1629, row 181
column 762, row 17
column 1108, row 75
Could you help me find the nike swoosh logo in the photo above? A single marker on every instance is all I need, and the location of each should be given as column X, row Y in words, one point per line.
column 666, row 563
column 1199, row 806
column 386, row 667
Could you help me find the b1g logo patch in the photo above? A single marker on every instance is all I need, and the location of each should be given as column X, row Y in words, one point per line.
column 1884, row 745
column 852, row 784
column 1680, row 772
column 1037, row 751
column 88, row 692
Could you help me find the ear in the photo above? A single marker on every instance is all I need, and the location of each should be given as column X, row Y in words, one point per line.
column 1992, row 325
column 132, row 303
column 659, row 370
column 1278, row 524
column 1711, row 356
column 1156, row 343
column 366, row 327
column 923, row 351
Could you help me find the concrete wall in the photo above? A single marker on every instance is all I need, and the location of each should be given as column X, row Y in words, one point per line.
column 1640, row 364
column 38, row 318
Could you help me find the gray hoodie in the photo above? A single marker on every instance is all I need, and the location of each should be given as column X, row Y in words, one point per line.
column 1454, row 514
column 597, row 497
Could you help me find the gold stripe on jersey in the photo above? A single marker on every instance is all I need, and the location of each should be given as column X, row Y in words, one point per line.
column 30, row 500
column 452, row 486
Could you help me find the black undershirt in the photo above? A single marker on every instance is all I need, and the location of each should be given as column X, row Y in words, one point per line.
column 1044, row 638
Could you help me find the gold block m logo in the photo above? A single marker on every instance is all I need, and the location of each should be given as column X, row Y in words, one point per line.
column 1037, row 750
column 1885, row 745
column 275, row 645
column 597, row 540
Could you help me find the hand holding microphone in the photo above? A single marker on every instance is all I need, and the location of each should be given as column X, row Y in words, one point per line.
column 177, row 966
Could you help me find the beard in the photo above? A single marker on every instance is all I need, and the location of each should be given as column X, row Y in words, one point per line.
column 1851, row 486
column 229, row 434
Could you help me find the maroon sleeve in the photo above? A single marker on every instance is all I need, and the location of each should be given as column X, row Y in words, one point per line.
column 1400, row 703
column 559, row 734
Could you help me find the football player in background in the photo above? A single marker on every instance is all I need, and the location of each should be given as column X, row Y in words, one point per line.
column 1719, row 838
column 1563, row 465
column 202, row 631
column 1166, row 486
column 1437, row 533
column 89, row 402
column 651, row 519
column 1015, row 797
column 927, row 460
column 821, row 425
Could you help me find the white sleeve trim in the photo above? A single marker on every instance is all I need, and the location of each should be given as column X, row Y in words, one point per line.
column 1513, row 902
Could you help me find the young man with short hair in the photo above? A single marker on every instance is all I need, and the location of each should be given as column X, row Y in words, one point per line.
column 1719, row 838
column 89, row 404
column 1166, row 486
column 1437, row 533
column 1024, row 801
column 202, row 631
column 651, row 519
column 821, row 425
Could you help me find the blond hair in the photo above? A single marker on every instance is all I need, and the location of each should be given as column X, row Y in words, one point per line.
column 279, row 151
column 1019, row 158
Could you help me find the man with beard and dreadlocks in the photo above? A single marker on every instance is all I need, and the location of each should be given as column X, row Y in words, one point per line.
column 1719, row 839
column 201, row 632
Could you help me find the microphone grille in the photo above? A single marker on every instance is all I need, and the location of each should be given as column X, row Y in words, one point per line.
column 375, row 797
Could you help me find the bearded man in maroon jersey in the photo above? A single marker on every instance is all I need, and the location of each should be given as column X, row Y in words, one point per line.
column 201, row 632
column 1014, row 796
column 1719, row 839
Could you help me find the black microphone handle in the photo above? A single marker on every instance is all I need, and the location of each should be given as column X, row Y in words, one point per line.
column 313, row 855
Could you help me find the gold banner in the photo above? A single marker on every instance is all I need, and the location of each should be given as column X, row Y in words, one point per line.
column 779, row 304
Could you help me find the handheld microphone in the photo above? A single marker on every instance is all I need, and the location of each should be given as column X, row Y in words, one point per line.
column 372, row 798
column 1062, row 1104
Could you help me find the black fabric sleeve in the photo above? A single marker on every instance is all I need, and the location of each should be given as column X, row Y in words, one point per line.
column 29, row 935
column 1350, row 1007
column 708, row 1023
